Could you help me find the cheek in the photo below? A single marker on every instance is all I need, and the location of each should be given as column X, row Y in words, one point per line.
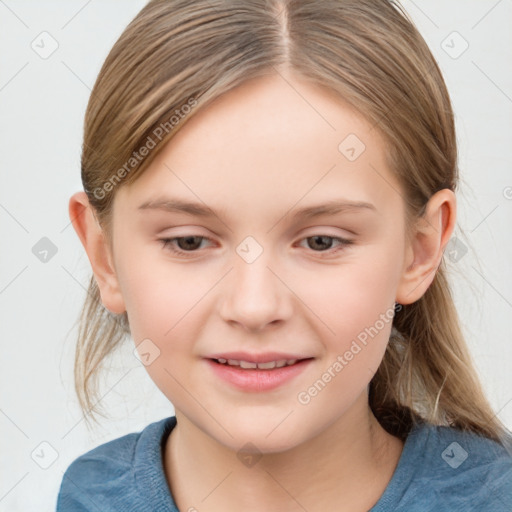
column 166, row 303
column 163, row 307
column 357, row 303
column 351, row 296
column 158, row 292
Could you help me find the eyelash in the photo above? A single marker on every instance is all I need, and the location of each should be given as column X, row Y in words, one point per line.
column 168, row 244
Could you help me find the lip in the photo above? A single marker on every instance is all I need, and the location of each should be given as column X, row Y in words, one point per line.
column 265, row 357
column 256, row 380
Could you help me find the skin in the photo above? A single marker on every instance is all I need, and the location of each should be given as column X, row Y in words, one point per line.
column 254, row 156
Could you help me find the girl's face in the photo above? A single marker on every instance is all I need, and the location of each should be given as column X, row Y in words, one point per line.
column 252, row 273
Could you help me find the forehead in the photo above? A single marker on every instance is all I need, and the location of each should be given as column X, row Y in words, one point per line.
column 266, row 145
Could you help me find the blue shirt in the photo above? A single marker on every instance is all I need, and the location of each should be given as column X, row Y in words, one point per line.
column 440, row 469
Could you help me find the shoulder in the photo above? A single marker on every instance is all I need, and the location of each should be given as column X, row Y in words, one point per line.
column 458, row 468
column 105, row 478
column 457, row 452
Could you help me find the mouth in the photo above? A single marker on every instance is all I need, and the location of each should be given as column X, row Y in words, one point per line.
column 256, row 377
column 252, row 365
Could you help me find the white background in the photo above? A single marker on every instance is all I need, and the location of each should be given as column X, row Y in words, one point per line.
column 42, row 107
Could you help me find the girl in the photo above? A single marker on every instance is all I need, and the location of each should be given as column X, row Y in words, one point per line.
column 268, row 192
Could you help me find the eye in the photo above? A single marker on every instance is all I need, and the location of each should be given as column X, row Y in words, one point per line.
column 187, row 245
column 324, row 243
column 183, row 245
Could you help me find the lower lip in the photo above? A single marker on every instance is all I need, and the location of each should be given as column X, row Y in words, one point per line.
column 257, row 380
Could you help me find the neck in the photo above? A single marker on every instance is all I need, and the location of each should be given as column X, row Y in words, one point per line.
column 345, row 467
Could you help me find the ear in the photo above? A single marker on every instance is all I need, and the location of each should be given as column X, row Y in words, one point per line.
column 95, row 244
column 425, row 248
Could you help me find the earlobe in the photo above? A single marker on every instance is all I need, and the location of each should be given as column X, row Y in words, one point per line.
column 425, row 250
column 95, row 244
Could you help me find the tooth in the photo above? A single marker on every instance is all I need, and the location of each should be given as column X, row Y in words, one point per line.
column 264, row 366
column 267, row 366
column 247, row 364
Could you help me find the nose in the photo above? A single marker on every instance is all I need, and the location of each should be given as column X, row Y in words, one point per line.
column 254, row 295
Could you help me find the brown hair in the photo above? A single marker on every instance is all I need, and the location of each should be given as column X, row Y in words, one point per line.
column 177, row 56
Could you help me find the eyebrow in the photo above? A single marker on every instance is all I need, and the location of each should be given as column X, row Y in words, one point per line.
column 331, row 207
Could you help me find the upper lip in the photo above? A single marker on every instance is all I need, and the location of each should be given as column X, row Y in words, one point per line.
column 263, row 357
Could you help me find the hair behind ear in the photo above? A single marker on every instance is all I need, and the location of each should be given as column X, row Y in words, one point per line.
column 427, row 371
column 108, row 330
